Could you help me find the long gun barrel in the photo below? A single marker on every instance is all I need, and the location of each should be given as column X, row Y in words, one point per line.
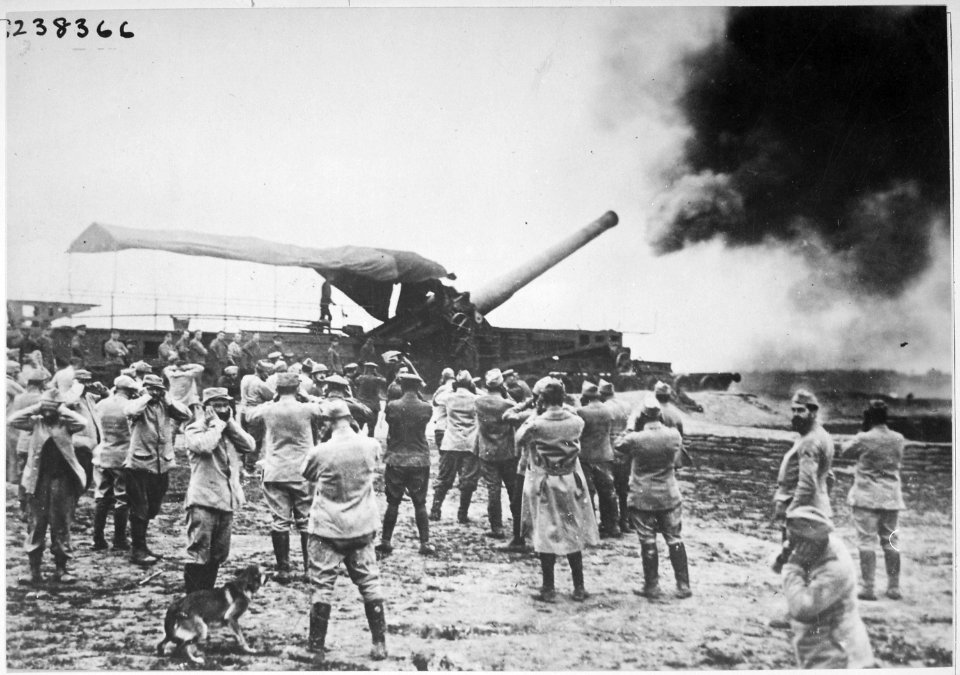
column 494, row 294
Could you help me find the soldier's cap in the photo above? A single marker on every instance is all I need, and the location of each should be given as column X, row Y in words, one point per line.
column 38, row 375
column 152, row 381
column 81, row 326
column 288, row 356
column 809, row 522
column 605, row 387
column 878, row 404
column 447, row 374
column 142, row 367
column 82, row 375
column 351, row 366
column 464, row 377
column 805, row 398
column 410, row 377
column 336, row 409
column 231, row 370
column 263, row 364
column 308, row 365
column 650, row 406
column 508, row 372
column 319, row 369
column 661, row 389
column 125, row 382
column 371, row 364
column 288, row 379
column 274, row 355
column 545, row 382
column 215, row 394
column 12, row 367
column 390, row 356
column 129, row 372
column 493, row 377
column 280, row 367
column 51, row 398
column 337, row 381
column 589, row 389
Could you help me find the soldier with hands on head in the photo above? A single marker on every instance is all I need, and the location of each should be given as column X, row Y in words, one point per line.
column 215, row 442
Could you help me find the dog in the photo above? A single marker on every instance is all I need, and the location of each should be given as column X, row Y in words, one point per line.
column 188, row 618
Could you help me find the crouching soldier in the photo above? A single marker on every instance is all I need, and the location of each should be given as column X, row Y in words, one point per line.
column 819, row 582
column 343, row 524
column 53, row 480
column 214, row 441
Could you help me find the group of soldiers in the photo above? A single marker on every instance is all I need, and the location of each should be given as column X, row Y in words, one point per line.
column 308, row 432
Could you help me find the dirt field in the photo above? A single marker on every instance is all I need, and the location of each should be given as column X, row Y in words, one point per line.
column 469, row 608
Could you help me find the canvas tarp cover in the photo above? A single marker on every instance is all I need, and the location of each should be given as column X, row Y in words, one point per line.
column 365, row 275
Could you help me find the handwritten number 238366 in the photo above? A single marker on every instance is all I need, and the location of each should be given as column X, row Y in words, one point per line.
column 60, row 26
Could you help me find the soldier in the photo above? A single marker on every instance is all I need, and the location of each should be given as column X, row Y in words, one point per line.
column 53, row 481
column 458, row 449
column 326, row 292
column 407, row 461
column 254, row 392
column 343, row 524
column 196, row 352
column 235, row 351
column 18, row 442
column 621, row 463
column 140, row 370
column 26, row 343
column 876, row 497
column 350, row 372
column 182, row 377
column 439, row 418
column 115, row 352
column 670, row 416
column 167, row 351
column 231, row 382
column 78, row 346
column 337, row 387
column 596, row 458
column 333, row 357
column 83, row 398
column 287, row 427
column 14, row 388
column 802, row 480
column 252, row 353
column 149, row 460
column 655, row 503
column 561, row 519
column 214, row 442
column 369, row 385
column 110, row 482
column 45, row 346
column 218, row 355
column 820, row 586
column 497, row 452
column 183, row 345
column 518, row 390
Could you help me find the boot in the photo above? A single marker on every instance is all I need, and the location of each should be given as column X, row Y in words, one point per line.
column 465, row 497
column 139, row 555
column 868, row 569
column 423, row 529
column 438, row 496
column 891, row 559
column 36, row 576
column 385, row 548
column 193, row 577
column 319, row 620
column 651, row 570
column 281, row 550
column 681, row 571
column 61, row 575
column 120, row 542
column 100, row 513
column 210, row 575
column 378, row 629
column 305, row 552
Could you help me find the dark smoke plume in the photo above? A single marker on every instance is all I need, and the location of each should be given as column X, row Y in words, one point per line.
column 825, row 123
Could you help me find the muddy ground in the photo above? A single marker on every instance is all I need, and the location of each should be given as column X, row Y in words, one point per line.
column 469, row 607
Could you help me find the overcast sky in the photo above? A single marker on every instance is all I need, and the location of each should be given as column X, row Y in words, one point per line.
column 472, row 136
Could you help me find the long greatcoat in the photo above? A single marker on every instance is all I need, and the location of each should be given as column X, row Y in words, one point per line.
column 556, row 502
column 70, row 423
